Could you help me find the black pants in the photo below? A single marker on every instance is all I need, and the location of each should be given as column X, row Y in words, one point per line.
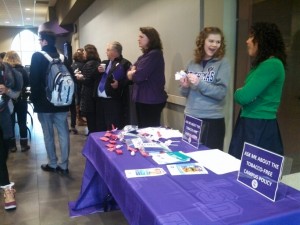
column 73, row 113
column 20, row 109
column 91, row 121
column 4, row 145
column 148, row 115
column 109, row 113
column 213, row 132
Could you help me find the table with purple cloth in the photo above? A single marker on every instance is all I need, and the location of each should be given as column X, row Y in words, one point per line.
column 175, row 200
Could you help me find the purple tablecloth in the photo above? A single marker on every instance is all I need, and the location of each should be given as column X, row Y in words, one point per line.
column 176, row 200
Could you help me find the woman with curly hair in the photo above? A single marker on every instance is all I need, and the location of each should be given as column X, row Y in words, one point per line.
column 205, row 86
column 260, row 96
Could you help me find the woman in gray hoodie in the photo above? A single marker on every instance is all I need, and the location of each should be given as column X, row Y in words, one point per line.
column 205, row 86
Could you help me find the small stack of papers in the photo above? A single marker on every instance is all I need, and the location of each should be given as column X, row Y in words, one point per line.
column 170, row 157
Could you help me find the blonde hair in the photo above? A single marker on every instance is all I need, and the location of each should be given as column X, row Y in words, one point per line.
column 12, row 58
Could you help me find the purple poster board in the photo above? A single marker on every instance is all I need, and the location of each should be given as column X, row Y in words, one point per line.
column 260, row 170
column 192, row 130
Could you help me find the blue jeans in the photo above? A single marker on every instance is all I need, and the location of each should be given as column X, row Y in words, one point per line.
column 59, row 120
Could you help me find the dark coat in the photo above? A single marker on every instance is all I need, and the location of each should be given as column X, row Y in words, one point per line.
column 118, row 71
column 37, row 79
column 77, row 65
column 23, row 95
column 90, row 74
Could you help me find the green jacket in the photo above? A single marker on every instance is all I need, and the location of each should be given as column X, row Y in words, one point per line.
column 261, row 94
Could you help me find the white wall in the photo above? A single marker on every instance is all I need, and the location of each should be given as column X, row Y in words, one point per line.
column 222, row 13
column 177, row 21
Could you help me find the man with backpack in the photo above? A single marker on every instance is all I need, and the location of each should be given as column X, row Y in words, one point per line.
column 49, row 114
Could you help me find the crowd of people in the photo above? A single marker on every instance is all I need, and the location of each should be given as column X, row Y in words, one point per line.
column 102, row 90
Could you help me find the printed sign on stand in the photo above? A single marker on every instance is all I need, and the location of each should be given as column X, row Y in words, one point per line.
column 192, row 130
column 260, row 170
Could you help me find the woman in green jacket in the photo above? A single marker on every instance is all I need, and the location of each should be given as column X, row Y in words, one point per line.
column 260, row 96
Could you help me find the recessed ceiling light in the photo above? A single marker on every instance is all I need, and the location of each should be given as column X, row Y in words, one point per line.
column 7, row 22
column 28, row 18
column 27, row 9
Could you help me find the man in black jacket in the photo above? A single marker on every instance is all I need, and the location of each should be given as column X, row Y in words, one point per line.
column 48, row 114
column 110, row 89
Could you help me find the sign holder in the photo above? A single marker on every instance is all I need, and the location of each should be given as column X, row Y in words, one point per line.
column 260, row 170
column 192, row 130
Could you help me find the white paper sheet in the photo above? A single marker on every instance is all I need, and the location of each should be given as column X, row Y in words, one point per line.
column 161, row 132
column 216, row 160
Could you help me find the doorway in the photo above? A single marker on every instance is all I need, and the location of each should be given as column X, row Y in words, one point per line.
column 286, row 14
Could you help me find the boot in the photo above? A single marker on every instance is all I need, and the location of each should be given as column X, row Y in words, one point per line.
column 9, row 196
column 12, row 145
column 81, row 121
column 24, row 145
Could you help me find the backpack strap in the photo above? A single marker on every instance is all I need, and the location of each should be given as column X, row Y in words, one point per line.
column 50, row 59
column 47, row 56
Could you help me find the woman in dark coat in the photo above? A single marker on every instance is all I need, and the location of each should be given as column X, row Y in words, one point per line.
column 87, row 77
column 20, row 104
column 78, row 63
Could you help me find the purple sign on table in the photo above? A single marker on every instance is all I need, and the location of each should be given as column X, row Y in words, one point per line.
column 192, row 130
column 260, row 170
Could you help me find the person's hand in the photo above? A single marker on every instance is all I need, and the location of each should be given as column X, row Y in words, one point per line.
column 78, row 75
column 193, row 78
column 131, row 72
column 3, row 89
column 115, row 84
column 184, row 82
column 101, row 69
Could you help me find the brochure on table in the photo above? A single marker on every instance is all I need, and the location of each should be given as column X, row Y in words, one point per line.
column 192, row 130
column 186, row 169
column 170, row 157
column 260, row 170
column 148, row 172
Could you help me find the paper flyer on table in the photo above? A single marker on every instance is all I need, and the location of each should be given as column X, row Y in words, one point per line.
column 216, row 160
column 170, row 157
column 186, row 169
column 161, row 132
column 149, row 172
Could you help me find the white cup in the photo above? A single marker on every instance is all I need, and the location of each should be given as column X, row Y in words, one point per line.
column 103, row 65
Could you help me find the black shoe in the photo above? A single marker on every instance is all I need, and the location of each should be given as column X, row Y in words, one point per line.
column 62, row 171
column 25, row 148
column 47, row 168
column 13, row 149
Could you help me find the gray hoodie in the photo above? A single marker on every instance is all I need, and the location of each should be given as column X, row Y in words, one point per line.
column 207, row 99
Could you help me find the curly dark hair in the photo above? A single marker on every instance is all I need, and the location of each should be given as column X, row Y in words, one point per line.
column 269, row 41
column 199, row 52
column 91, row 52
column 78, row 56
column 154, row 39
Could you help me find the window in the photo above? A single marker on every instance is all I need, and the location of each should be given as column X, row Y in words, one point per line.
column 25, row 44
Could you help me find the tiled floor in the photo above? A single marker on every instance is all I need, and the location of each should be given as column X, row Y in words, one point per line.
column 42, row 197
